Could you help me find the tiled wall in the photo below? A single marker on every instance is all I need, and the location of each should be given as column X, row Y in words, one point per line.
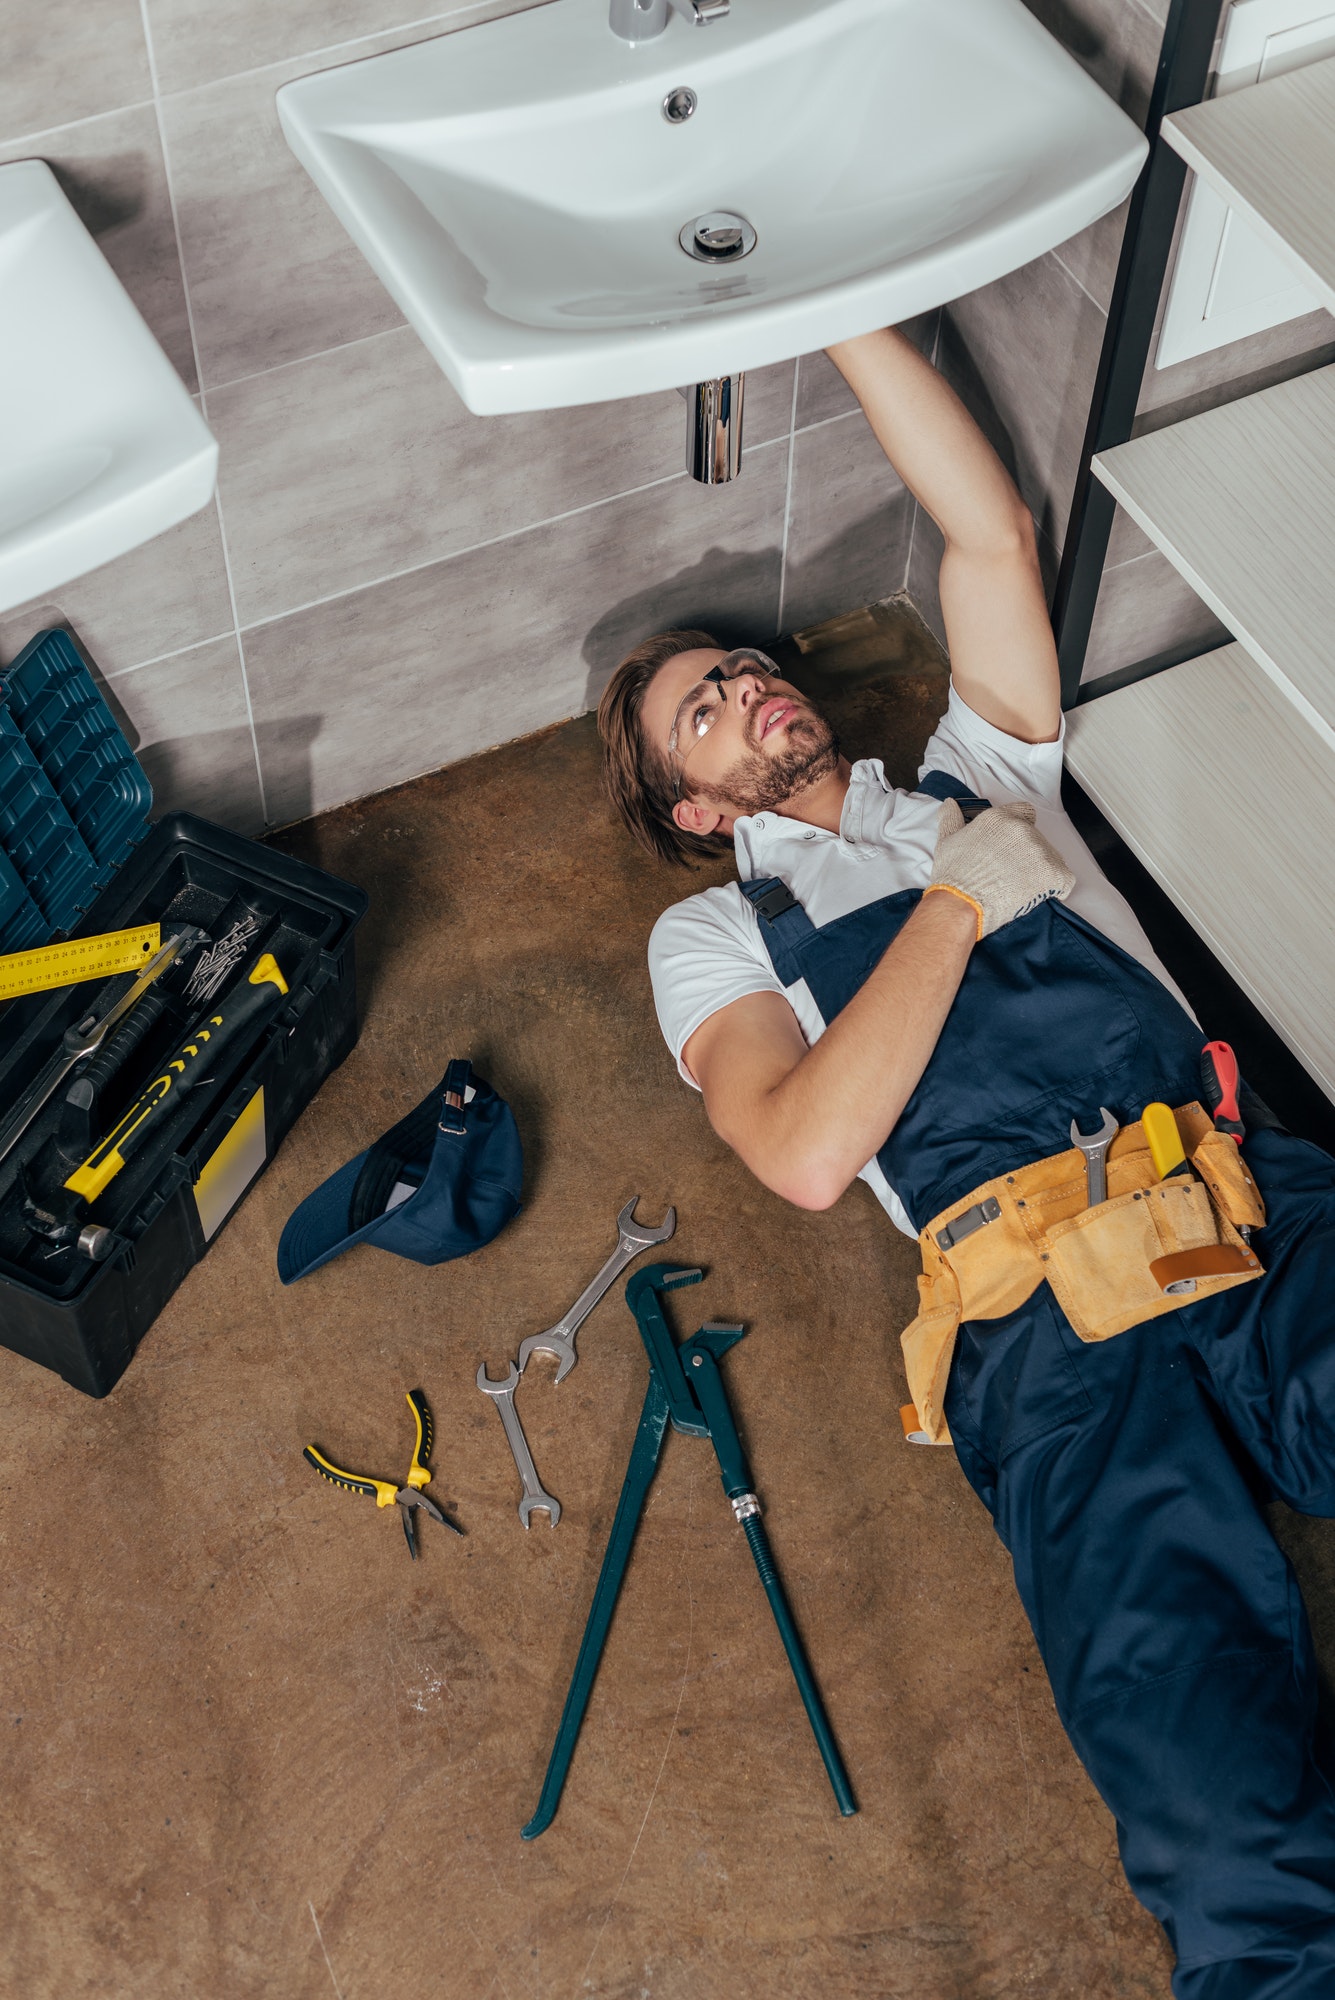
column 385, row 582
column 1023, row 353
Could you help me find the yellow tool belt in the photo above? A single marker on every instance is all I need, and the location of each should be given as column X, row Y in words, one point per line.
column 1107, row 1266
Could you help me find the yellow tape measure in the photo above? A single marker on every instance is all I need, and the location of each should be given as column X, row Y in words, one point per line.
column 52, row 965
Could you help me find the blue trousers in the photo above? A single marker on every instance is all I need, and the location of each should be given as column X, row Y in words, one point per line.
column 1127, row 1479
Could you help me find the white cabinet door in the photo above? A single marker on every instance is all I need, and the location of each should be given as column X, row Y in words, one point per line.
column 1226, row 282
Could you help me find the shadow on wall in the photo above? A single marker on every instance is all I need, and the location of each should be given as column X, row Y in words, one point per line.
column 732, row 593
column 961, row 370
column 106, row 199
column 735, row 594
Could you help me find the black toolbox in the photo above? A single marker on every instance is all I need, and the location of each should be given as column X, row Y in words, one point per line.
column 70, row 787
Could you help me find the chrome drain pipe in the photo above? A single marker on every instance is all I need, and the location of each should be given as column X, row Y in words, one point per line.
column 714, row 429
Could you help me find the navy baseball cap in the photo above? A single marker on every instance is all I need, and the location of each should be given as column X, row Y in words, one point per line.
column 442, row 1182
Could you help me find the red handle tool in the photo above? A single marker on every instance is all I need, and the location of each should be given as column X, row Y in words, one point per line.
column 1219, row 1087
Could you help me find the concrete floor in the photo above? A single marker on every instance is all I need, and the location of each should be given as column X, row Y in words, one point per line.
column 251, row 1750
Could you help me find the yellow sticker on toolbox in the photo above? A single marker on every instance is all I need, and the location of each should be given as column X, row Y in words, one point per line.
column 231, row 1167
column 50, row 965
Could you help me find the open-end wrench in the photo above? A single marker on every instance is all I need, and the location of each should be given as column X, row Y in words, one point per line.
column 503, row 1395
column 632, row 1238
column 1095, row 1146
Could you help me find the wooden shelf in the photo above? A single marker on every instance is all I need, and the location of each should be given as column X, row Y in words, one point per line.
column 1269, row 151
column 1242, row 501
column 1218, row 786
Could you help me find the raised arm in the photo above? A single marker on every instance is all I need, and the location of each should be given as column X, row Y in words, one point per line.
column 1002, row 656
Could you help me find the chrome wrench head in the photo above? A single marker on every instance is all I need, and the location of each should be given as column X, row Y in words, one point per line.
column 632, row 1239
column 1094, row 1146
column 503, row 1395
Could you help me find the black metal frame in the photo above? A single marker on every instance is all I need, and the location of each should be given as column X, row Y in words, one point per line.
column 1183, row 72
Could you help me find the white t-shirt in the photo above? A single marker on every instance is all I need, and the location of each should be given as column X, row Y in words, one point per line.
column 707, row 951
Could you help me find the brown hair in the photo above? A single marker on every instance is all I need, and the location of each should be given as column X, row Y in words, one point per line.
column 636, row 772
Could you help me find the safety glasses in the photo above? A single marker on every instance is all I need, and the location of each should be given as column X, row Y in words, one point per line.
column 701, row 706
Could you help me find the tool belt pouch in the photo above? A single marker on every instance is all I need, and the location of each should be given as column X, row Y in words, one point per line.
column 1152, row 1247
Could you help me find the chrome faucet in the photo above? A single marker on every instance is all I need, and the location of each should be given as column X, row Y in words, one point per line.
column 643, row 20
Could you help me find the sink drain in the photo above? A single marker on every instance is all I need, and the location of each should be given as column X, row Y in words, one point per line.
column 718, row 238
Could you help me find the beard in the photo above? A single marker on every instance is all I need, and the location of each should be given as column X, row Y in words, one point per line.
column 757, row 783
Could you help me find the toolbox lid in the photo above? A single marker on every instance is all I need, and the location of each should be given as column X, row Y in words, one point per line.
column 74, row 799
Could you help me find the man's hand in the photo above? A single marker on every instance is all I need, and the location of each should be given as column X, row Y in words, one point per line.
column 1000, row 864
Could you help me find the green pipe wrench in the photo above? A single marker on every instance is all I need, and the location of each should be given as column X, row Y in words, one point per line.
column 685, row 1389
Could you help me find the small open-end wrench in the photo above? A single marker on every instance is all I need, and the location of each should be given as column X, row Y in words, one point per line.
column 1094, row 1146
column 503, row 1395
column 632, row 1238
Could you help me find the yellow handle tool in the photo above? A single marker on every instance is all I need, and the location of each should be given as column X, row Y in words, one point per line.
column 206, row 1043
column 50, row 965
column 1164, row 1141
column 418, row 1472
column 385, row 1491
column 409, row 1496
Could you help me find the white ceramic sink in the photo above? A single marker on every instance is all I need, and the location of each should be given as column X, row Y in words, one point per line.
column 520, row 193
column 101, row 446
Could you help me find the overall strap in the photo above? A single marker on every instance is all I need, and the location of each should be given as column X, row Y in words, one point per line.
column 784, row 925
column 941, row 785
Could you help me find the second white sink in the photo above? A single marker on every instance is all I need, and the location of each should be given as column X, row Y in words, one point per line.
column 519, row 190
column 103, row 446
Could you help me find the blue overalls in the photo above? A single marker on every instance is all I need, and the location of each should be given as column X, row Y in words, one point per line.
column 1127, row 1478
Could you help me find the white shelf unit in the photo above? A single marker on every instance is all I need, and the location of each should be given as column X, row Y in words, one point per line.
column 1218, row 785
column 1220, row 773
column 1242, row 501
column 1269, row 151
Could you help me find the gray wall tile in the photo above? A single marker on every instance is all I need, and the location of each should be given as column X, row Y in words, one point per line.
column 1127, row 541
column 168, row 593
column 371, row 689
column 1114, row 41
column 272, row 274
column 1091, row 257
column 1022, row 354
column 112, row 171
column 850, row 518
column 768, row 409
column 194, row 45
column 924, row 571
column 822, row 392
column 188, row 723
column 1146, row 608
column 62, row 59
column 1167, row 395
column 349, row 467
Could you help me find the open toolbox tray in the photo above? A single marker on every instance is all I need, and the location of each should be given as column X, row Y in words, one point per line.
column 73, row 799
column 170, row 1199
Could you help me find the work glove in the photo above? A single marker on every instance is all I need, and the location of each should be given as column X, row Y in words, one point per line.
column 1000, row 863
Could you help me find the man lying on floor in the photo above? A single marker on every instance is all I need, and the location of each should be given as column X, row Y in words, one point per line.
column 900, row 992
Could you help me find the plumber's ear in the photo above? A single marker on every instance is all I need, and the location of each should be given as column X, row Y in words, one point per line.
column 692, row 818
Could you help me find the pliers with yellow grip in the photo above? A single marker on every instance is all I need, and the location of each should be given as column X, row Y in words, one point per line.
column 410, row 1494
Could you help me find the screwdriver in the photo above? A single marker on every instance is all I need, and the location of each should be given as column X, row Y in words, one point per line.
column 210, row 1038
column 1220, row 1085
